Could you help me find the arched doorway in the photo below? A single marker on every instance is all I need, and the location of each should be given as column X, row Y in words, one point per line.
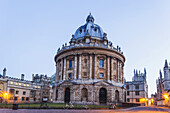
column 117, row 96
column 67, row 95
column 84, row 94
column 103, row 96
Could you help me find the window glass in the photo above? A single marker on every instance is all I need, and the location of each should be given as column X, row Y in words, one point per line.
column 137, row 86
column 70, row 75
column 70, row 63
column 136, row 92
column 101, row 75
column 101, row 63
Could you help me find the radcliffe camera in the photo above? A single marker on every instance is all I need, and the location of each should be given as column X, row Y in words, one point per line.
column 91, row 57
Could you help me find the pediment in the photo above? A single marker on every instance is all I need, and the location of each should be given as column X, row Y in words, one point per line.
column 102, row 83
column 67, row 83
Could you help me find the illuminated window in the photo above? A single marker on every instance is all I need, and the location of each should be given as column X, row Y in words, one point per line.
column 24, row 84
column 12, row 82
column 35, row 86
column 38, row 86
column 20, row 84
column 137, row 100
column 28, row 85
column 16, row 83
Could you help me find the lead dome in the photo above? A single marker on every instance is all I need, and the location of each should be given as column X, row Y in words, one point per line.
column 90, row 29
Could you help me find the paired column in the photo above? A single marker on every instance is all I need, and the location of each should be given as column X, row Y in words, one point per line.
column 90, row 67
column 62, row 68
column 79, row 67
column 75, row 67
column 64, row 73
column 95, row 66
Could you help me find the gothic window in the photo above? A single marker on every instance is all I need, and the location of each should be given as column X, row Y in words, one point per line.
column 101, row 63
column 136, row 92
column 70, row 63
column 101, row 75
column 137, row 86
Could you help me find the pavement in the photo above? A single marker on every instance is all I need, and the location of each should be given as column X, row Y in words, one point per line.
column 127, row 110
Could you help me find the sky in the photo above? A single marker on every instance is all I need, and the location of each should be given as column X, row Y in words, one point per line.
column 31, row 31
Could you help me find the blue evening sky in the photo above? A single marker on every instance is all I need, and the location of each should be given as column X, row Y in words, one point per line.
column 32, row 30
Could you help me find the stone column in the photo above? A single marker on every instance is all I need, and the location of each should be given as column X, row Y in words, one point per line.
column 118, row 70
column 80, row 67
column 61, row 69
column 64, row 73
column 90, row 67
column 75, row 67
column 108, row 68
column 111, row 68
column 54, row 93
column 57, row 76
column 95, row 66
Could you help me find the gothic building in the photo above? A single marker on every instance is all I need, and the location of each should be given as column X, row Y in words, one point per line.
column 19, row 90
column 163, row 84
column 89, row 70
column 137, row 89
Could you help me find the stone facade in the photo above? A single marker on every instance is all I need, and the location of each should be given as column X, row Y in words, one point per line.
column 90, row 69
column 163, row 85
column 137, row 89
column 24, row 91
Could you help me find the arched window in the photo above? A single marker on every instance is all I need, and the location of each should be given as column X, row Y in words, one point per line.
column 84, row 94
column 117, row 96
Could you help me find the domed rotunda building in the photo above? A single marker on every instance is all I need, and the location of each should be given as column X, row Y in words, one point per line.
column 89, row 70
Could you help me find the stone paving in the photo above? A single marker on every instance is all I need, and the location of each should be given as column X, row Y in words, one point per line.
column 128, row 110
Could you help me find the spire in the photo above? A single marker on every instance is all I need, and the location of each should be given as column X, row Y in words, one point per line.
column 144, row 70
column 4, row 72
column 160, row 76
column 134, row 71
column 90, row 18
column 166, row 63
